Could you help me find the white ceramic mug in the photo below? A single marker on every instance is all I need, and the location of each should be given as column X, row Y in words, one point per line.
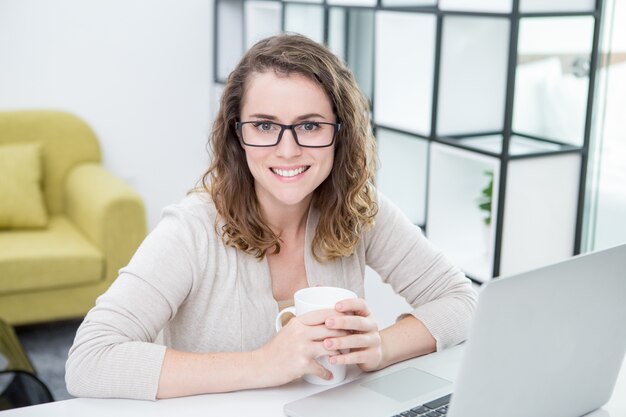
column 318, row 298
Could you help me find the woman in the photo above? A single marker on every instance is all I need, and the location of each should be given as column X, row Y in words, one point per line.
column 288, row 203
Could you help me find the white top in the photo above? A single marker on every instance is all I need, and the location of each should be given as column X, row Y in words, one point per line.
column 208, row 297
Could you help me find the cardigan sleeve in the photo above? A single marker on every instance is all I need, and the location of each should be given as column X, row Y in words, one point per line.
column 441, row 296
column 114, row 354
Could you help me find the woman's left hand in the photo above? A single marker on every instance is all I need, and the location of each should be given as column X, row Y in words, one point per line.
column 363, row 342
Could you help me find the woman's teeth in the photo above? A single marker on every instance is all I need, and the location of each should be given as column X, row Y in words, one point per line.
column 289, row 172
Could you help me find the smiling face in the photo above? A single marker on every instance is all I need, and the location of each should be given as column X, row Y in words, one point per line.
column 286, row 175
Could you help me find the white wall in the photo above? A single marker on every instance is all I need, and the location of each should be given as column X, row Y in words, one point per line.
column 138, row 71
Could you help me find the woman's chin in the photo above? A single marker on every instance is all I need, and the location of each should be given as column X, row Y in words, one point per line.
column 292, row 200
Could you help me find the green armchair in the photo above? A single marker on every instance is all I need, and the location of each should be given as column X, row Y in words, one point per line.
column 93, row 222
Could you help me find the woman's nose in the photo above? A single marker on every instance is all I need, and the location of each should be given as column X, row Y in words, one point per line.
column 288, row 146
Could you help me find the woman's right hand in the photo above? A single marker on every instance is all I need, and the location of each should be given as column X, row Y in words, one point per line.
column 292, row 352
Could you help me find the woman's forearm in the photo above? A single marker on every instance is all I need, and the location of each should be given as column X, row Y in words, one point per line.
column 405, row 339
column 185, row 373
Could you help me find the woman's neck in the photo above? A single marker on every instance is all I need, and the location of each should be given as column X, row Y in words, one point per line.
column 286, row 221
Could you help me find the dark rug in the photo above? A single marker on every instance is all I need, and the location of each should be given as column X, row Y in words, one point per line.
column 47, row 346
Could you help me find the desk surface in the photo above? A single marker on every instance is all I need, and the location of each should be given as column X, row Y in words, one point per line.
column 263, row 402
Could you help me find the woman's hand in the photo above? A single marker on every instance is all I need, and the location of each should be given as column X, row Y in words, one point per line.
column 363, row 339
column 292, row 352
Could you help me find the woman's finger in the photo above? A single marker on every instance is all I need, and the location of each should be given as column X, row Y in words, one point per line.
column 318, row 333
column 316, row 317
column 319, row 371
column 354, row 357
column 319, row 349
column 353, row 323
column 356, row 306
column 354, row 341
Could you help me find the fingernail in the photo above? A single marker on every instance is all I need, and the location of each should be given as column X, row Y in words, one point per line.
column 329, row 343
column 330, row 322
column 333, row 361
column 329, row 375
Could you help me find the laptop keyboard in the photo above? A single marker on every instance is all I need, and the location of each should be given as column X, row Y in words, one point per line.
column 435, row 408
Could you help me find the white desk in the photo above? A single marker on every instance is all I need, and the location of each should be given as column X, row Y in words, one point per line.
column 263, row 402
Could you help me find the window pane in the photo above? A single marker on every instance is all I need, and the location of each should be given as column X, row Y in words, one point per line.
column 337, row 31
column 307, row 20
column 358, row 26
column 360, row 50
column 459, row 206
column 557, row 5
column 402, row 175
column 496, row 6
column 472, row 87
column 405, row 48
column 539, row 212
column 353, row 2
column 552, row 77
column 262, row 19
column 402, row 3
column 606, row 190
column 229, row 36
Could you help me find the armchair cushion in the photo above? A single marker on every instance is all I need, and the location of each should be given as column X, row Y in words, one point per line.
column 21, row 196
column 58, row 256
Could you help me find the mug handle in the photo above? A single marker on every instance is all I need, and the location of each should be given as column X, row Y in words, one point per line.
column 279, row 318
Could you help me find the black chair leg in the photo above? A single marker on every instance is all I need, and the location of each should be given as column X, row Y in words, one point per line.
column 24, row 389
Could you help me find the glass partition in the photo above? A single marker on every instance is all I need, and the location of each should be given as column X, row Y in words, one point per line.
column 306, row 19
column 402, row 174
column 351, row 36
column 337, row 31
column 262, row 19
column 462, row 207
column 552, row 77
column 536, row 6
column 360, row 54
column 353, row 2
column 605, row 198
column 403, row 79
column 494, row 6
column 472, row 84
column 229, row 40
column 409, row 3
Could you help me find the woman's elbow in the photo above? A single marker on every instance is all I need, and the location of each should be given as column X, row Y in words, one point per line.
column 81, row 372
column 73, row 381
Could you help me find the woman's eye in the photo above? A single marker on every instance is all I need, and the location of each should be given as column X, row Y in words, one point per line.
column 309, row 127
column 264, row 126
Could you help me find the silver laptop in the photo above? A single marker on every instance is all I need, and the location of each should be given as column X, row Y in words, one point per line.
column 548, row 342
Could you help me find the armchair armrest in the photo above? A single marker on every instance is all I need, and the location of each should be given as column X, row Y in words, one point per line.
column 108, row 211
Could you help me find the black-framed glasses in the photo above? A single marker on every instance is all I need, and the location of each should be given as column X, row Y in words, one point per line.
column 306, row 134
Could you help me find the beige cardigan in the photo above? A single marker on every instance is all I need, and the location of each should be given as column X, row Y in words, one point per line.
column 207, row 297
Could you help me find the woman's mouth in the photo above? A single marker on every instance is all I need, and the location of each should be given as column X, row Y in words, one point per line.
column 287, row 173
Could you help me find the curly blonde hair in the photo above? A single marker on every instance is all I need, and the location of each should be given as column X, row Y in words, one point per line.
column 346, row 198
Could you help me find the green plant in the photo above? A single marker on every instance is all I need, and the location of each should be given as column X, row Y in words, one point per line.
column 484, row 201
